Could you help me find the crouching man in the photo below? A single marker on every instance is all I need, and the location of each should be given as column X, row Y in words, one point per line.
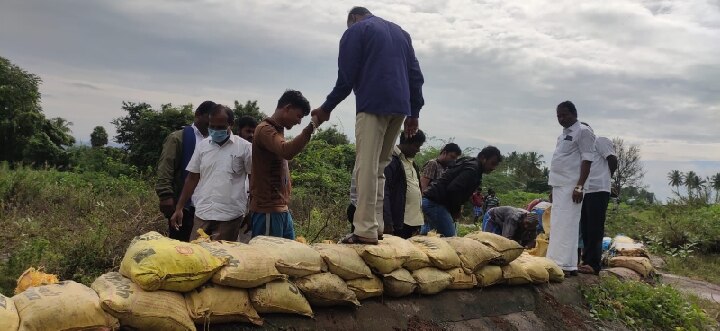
column 512, row 223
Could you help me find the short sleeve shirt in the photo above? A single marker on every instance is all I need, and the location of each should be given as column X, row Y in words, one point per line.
column 574, row 145
column 220, row 194
column 599, row 179
column 433, row 170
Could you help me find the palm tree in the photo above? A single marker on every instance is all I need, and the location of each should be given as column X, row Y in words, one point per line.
column 715, row 183
column 691, row 178
column 675, row 178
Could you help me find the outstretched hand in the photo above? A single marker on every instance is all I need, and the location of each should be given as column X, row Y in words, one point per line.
column 321, row 115
column 411, row 126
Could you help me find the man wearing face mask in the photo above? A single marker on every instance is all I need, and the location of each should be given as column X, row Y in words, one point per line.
column 177, row 150
column 217, row 173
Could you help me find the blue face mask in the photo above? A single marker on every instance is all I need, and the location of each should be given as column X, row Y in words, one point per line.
column 218, row 136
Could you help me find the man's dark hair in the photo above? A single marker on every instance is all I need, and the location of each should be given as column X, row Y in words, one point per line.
column 359, row 11
column 569, row 106
column 491, row 191
column 218, row 108
column 451, row 148
column 205, row 107
column 489, row 151
column 418, row 138
column 294, row 99
column 246, row 121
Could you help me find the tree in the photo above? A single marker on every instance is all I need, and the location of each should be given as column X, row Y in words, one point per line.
column 715, row 183
column 99, row 137
column 250, row 108
column 143, row 130
column 26, row 135
column 332, row 136
column 691, row 180
column 630, row 170
column 675, row 179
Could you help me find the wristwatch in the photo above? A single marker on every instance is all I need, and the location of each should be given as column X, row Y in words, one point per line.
column 579, row 189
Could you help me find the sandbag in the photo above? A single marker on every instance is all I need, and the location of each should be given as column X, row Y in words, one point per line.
column 625, row 249
column 473, row 254
column 343, row 261
column 431, row 280
column 63, row 306
column 541, row 246
column 441, row 254
column 326, row 290
column 416, row 258
column 620, row 239
column 515, row 274
column 294, row 259
column 34, row 277
column 247, row 266
column 215, row 304
column 155, row 263
column 620, row 273
column 546, row 220
column 280, row 296
column 461, row 280
column 509, row 249
column 555, row 273
column 382, row 258
column 534, row 268
column 139, row 309
column 9, row 319
column 641, row 265
column 366, row 287
column 399, row 283
column 489, row 275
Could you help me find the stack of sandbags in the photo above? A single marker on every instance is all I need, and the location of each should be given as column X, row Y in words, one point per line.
column 155, row 262
column 344, row 262
column 509, row 250
column 63, row 306
column 9, row 318
column 628, row 260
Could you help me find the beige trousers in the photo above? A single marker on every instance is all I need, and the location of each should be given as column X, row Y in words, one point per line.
column 375, row 137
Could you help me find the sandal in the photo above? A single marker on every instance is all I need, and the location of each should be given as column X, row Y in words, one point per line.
column 586, row 269
column 571, row 273
column 355, row 239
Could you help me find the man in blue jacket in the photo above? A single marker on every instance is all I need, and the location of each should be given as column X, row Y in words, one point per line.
column 402, row 207
column 377, row 61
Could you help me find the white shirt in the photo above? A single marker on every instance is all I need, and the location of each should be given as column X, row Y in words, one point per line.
column 599, row 179
column 221, row 194
column 413, row 196
column 198, row 138
column 574, row 145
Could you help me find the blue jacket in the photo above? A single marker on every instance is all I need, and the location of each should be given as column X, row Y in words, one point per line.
column 377, row 62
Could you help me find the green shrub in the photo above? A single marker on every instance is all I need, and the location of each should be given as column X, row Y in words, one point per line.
column 643, row 307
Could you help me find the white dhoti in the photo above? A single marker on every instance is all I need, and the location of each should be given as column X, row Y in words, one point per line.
column 565, row 225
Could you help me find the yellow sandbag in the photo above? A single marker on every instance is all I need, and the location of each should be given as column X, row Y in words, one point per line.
column 489, row 275
column 416, row 258
column 34, row 277
column 366, row 287
column 155, row 263
column 280, row 296
column 63, row 306
column 461, row 280
column 620, row 273
column 294, row 259
column 441, row 254
column 546, row 221
column 473, row 254
column 343, row 261
column 431, row 280
column 640, row 265
column 620, row 239
column 382, row 258
column 139, row 309
column 541, row 246
column 555, row 273
column 399, row 283
column 509, row 249
column 248, row 266
column 9, row 319
column 515, row 274
column 216, row 304
column 534, row 268
column 634, row 249
column 326, row 290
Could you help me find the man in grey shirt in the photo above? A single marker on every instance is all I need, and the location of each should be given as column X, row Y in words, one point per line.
column 512, row 223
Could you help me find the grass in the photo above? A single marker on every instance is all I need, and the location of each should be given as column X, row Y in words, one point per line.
column 644, row 307
column 700, row 267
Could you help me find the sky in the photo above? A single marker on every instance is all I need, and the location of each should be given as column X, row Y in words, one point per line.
column 645, row 71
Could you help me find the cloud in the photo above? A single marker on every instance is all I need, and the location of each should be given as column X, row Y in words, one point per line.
column 644, row 70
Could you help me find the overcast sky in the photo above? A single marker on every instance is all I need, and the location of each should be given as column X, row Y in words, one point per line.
column 646, row 71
